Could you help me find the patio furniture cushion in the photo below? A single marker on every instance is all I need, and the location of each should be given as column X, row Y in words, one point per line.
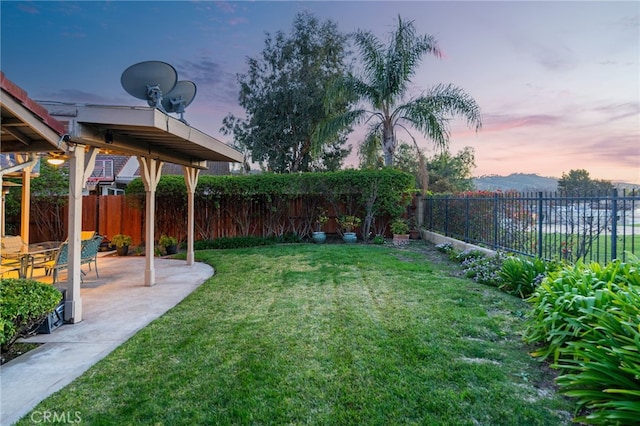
column 12, row 244
column 87, row 235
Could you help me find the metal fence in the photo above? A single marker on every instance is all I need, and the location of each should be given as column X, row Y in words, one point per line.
column 595, row 228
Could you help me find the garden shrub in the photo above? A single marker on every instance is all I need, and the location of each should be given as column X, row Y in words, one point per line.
column 588, row 318
column 520, row 276
column 449, row 250
column 482, row 268
column 23, row 305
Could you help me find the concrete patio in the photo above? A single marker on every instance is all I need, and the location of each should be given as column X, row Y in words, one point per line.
column 115, row 307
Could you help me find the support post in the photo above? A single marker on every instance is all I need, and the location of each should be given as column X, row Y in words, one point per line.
column 26, row 204
column 191, row 180
column 150, row 172
column 73, row 302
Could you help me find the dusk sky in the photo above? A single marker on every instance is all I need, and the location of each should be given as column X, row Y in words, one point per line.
column 557, row 82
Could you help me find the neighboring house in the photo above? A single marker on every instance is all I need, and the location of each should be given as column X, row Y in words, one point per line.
column 112, row 173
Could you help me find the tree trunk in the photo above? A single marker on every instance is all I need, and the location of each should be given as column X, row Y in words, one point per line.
column 388, row 145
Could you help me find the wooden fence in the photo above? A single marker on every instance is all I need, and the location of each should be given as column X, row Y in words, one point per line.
column 116, row 214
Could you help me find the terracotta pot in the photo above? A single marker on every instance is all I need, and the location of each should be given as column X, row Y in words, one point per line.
column 400, row 240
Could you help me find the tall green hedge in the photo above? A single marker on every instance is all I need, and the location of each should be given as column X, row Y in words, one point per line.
column 277, row 204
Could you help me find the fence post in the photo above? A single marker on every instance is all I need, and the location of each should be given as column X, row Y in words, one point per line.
column 614, row 224
column 540, row 214
column 446, row 215
column 495, row 220
column 466, row 219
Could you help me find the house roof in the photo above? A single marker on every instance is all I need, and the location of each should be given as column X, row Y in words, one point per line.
column 26, row 125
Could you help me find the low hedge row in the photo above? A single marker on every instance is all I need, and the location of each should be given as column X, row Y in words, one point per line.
column 243, row 242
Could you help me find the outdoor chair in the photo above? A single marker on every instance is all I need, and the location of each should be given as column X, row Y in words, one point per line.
column 11, row 246
column 59, row 263
column 9, row 266
column 89, row 252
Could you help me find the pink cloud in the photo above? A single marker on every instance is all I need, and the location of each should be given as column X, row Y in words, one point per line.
column 499, row 123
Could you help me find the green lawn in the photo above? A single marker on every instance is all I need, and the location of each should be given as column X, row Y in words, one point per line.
column 324, row 334
column 599, row 246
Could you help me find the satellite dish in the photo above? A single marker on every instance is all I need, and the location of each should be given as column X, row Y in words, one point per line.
column 179, row 98
column 149, row 80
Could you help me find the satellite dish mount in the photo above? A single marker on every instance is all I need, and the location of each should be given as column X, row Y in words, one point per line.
column 154, row 97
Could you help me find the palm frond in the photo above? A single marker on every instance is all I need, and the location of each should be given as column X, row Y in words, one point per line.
column 331, row 128
column 453, row 101
column 430, row 113
column 405, row 53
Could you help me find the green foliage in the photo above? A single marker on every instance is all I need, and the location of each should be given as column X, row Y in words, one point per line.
column 167, row 240
column 48, row 200
column 262, row 204
column 282, row 94
column 588, row 318
column 520, row 276
column 399, row 227
column 243, row 242
column 23, row 305
column 602, row 371
column 444, row 172
column 578, row 182
column 349, row 222
column 452, row 173
column 378, row 239
column 121, row 240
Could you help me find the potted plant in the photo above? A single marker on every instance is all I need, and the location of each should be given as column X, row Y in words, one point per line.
column 348, row 224
column 121, row 242
column 319, row 236
column 169, row 243
column 400, row 231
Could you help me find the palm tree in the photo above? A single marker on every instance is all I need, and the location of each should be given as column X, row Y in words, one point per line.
column 387, row 73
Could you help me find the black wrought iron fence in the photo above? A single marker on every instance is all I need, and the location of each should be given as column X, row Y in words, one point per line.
column 598, row 227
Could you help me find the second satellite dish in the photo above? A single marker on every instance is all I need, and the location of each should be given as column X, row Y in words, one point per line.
column 179, row 98
column 149, row 80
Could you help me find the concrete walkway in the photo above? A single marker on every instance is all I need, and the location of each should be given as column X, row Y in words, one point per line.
column 115, row 307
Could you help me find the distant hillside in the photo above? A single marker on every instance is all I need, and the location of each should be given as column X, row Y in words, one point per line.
column 516, row 182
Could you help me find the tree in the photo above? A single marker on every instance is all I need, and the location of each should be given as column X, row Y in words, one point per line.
column 387, row 73
column 447, row 172
column 282, row 94
column 452, row 173
column 49, row 193
column 579, row 182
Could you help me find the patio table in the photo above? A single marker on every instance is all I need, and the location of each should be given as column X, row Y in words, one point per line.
column 40, row 252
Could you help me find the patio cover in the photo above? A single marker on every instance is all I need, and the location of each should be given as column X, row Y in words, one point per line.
column 27, row 128
column 151, row 135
